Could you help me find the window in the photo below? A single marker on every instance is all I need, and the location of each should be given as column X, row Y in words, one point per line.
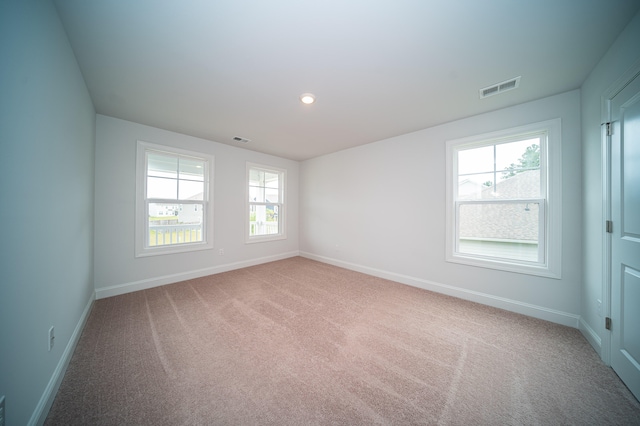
column 265, row 203
column 173, row 212
column 503, row 200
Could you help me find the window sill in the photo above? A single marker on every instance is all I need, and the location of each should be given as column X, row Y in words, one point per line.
column 182, row 248
column 265, row 238
column 505, row 265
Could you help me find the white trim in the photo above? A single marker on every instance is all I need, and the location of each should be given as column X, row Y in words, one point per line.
column 535, row 311
column 117, row 289
column 615, row 88
column 591, row 336
column 140, row 223
column 46, row 400
column 605, row 114
column 282, row 209
column 551, row 153
column 605, row 341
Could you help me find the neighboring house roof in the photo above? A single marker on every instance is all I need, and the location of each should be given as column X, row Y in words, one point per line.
column 504, row 221
column 199, row 196
column 522, row 185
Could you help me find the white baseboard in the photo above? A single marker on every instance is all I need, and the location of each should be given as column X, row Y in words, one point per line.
column 591, row 336
column 558, row 317
column 118, row 289
column 46, row 400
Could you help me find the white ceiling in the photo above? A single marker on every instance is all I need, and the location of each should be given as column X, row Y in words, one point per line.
column 225, row 68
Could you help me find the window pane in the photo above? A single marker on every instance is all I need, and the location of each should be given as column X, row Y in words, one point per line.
column 256, row 194
column 265, row 199
column 191, row 190
column 163, row 211
column 162, row 165
column 271, row 195
column 472, row 187
column 516, row 174
column 263, row 220
column 508, row 231
column 171, row 224
column 518, row 155
column 162, row 188
column 524, row 184
column 192, row 169
column 256, row 177
column 190, row 214
column 476, row 160
column 271, row 180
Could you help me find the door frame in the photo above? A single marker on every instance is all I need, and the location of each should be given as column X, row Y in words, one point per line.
column 606, row 114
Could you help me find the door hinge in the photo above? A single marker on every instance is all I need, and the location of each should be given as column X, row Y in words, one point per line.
column 609, row 226
column 609, row 129
column 607, row 323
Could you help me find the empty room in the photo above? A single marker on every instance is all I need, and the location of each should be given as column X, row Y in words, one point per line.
column 339, row 212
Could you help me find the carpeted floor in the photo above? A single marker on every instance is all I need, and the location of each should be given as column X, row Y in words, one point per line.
column 299, row 342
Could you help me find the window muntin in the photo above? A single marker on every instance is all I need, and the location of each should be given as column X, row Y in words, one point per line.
column 265, row 204
column 172, row 212
column 501, row 208
column 174, row 177
column 495, row 219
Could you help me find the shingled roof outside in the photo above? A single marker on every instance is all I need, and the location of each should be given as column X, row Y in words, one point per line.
column 503, row 222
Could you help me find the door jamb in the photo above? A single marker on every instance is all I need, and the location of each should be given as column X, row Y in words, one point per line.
column 606, row 114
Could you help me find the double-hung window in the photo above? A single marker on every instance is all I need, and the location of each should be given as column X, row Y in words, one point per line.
column 173, row 211
column 503, row 200
column 265, row 203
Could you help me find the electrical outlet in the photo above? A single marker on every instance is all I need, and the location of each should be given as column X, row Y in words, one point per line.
column 2, row 412
column 52, row 338
column 221, row 252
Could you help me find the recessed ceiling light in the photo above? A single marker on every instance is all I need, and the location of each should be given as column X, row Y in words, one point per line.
column 308, row 98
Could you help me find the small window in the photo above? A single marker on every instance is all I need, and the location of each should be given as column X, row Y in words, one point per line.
column 265, row 203
column 503, row 193
column 173, row 212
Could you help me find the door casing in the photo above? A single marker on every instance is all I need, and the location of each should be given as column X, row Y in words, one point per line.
column 606, row 115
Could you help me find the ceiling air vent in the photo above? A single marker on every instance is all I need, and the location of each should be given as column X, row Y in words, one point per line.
column 241, row 140
column 505, row 86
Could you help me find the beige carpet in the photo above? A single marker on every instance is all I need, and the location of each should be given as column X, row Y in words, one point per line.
column 299, row 342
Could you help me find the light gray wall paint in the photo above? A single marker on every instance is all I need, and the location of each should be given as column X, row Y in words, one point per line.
column 117, row 270
column 381, row 208
column 618, row 59
column 47, row 128
column 47, row 131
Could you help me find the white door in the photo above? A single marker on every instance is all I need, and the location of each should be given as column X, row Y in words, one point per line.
column 625, row 238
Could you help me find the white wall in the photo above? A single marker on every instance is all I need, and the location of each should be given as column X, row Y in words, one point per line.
column 618, row 59
column 117, row 270
column 47, row 131
column 380, row 208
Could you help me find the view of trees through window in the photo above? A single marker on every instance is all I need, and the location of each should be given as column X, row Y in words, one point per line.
column 499, row 200
column 504, row 199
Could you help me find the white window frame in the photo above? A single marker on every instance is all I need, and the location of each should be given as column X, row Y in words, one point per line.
column 142, row 247
column 550, row 237
column 282, row 228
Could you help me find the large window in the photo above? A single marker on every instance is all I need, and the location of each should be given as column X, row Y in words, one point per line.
column 265, row 203
column 503, row 193
column 172, row 206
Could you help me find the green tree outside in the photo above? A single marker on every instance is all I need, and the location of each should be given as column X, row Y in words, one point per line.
column 529, row 160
